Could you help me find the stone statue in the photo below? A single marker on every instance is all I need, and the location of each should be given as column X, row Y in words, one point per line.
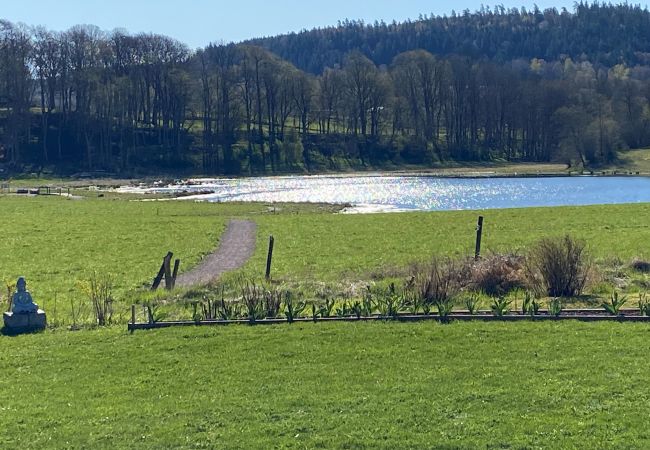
column 24, row 315
column 22, row 300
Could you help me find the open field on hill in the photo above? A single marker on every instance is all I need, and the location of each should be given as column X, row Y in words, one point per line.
column 350, row 385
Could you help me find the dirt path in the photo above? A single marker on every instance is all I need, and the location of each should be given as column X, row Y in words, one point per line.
column 236, row 246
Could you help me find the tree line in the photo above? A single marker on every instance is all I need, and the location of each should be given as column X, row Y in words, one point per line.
column 85, row 99
column 598, row 32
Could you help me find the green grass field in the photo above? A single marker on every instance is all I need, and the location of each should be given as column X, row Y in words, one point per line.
column 57, row 243
column 336, row 385
column 329, row 247
column 346, row 385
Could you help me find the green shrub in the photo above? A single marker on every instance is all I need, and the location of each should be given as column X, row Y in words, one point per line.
column 292, row 309
column 272, row 297
column 559, row 266
column 327, row 307
column 209, row 308
column 389, row 302
column 445, row 307
column 357, row 309
column 228, row 310
column 155, row 312
column 252, row 298
column 367, row 303
column 343, row 309
column 644, row 304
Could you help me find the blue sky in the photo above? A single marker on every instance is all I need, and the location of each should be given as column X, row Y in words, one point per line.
column 198, row 22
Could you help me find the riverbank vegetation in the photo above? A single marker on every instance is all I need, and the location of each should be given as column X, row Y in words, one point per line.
column 97, row 102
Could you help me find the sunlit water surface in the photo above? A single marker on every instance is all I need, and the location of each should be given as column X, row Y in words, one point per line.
column 416, row 193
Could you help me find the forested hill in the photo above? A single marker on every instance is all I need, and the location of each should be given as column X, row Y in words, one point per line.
column 600, row 33
column 513, row 85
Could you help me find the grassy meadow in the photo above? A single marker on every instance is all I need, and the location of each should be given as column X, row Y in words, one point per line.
column 331, row 247
column 338, row 385
column 311, row 385
column 58, row 243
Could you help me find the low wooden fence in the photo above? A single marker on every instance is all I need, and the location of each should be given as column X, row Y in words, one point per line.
column 583, row 315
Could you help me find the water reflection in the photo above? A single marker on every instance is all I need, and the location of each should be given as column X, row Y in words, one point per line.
column 399, row 193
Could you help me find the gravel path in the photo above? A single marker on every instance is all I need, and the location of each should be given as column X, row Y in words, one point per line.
column 236, row 246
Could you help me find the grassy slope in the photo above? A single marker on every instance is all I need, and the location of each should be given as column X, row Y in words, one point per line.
column 330, row 246
column 329, row 386
column 56, row 242
column 637, row 160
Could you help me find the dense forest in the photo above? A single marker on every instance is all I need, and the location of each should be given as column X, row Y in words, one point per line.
column 602, row 34
column 495, row 84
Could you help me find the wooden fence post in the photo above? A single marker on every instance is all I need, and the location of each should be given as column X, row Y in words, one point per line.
column 479, row 233
column 133, row 314
column 269, row 257
column 175, row 273
column 161, row 272
column 167, row 262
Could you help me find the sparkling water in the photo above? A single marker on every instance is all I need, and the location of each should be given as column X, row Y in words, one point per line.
column 416, row 193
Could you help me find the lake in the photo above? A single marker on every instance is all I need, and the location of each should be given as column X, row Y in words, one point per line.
column 415, row 193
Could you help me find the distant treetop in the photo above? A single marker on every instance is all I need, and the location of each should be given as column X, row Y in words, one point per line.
column 601, row 33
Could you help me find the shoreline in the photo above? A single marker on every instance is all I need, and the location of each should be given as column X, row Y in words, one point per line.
column 463, row 172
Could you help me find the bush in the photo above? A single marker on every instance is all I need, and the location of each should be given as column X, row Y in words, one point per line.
column 498, row 274
column 559, row 266
column 500, row 306
column 472, row 302
column 272, row 298
column 438, row 282
column 390, row 301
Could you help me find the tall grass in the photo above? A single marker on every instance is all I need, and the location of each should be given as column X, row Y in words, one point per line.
column 559, row 266
column 100, row 292
column 439, row 281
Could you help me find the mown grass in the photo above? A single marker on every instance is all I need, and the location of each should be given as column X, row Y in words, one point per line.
column 57, row 243
column 331, row 247
column 336, row 385
column 346, row 385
